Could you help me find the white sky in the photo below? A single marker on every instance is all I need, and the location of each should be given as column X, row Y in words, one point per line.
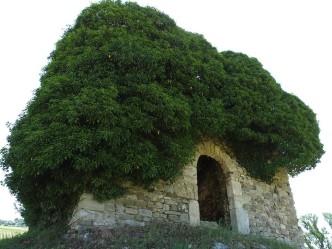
column 292, row 39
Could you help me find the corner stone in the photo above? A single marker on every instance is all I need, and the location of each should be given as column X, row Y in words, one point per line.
column 194, row 216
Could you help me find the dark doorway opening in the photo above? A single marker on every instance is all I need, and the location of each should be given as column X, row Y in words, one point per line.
column 212, row 191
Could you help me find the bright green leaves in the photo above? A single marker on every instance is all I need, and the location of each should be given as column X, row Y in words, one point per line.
column 127, row 95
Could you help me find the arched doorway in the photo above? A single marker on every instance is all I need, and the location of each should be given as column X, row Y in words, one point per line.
column 212, row 191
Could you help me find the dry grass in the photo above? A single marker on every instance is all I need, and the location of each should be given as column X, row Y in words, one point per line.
column 9, row 232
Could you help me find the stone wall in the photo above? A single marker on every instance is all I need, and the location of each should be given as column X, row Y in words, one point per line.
column 175, row 202
column 271, row 208
column 254, row 206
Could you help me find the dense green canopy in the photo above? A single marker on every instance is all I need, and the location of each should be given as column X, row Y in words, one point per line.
column 127, row 94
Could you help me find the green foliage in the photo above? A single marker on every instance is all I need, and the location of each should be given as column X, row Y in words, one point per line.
column 315, row 237
column 127, row 94
column 267, row 128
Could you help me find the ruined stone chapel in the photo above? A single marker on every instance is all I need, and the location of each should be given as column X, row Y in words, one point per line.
column 213, row 190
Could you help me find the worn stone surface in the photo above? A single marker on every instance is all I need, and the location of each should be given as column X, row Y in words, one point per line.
column 218, row 245
column 194, row 216
column 254, row 207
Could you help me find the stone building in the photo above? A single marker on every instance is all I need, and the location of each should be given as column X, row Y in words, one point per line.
column 213, row 189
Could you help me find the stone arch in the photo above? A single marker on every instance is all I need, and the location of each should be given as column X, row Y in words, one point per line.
column 239, row 219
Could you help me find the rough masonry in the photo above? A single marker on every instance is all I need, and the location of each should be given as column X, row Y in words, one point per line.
column 213, row 189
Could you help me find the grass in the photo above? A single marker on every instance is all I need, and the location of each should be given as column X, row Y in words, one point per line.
column 155, row 236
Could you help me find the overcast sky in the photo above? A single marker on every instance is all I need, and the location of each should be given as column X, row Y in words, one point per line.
column 292, row 39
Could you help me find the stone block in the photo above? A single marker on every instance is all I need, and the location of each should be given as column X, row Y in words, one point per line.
column 169, row 189
column 109, row 207
column 96, row 215
column 131, row 211
column 236, row 204
column 132, row 223
column 105, row 222
column 119, row 208
column 164, row 216
column 85, row 223
column 159, row 205
column 126, row 216
column 131, row 197
column 86, row 196
column 154, row 198
column 150, row 204
column 288, row 240
column 143, row 197
column 190, row 171
column 194, row 216
column 156, row 215
column 147, row 219
column 92, row 205
column 184, row 218
column 183, row 208
column 140, row 203
column 145, row 212
column 190, row 180
column 159, row 186
column 129, row 203
column 185, row 190
column 112, row 201
column 170, row 202
column 173, row 208
column 79, row 214
column 119, row 201
column 195, row 187
column 283, row 227
column 174, row 218
column 234, row 189
column 173, row 212
column 165, row 207
column 139, row 218
column 247, row 207
column 240, row 220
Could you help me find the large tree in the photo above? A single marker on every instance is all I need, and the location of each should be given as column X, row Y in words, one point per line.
column 127, row 94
